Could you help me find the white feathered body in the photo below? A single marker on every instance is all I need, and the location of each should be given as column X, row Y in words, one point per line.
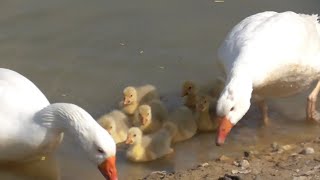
column 20, row 137
column 279, row 51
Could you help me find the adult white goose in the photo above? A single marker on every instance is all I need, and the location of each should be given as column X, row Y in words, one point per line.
column 268, row 54
column 31, row 127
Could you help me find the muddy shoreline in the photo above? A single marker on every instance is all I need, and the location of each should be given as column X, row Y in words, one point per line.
column 298, row 161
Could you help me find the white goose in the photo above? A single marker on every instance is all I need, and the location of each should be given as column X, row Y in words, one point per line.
column 31, row 127
column 268, row 54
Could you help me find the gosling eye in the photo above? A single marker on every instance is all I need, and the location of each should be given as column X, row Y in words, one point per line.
column 232, row 109
column 205, row 101
column 131, row 95
column 189, row 87
column 100, row 150
column 134, row 135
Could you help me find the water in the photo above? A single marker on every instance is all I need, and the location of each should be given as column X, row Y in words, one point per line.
column 86, row 52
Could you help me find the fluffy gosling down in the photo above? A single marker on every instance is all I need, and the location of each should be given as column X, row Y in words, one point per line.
column 184, row 121
column 117, row 124
column 151, row 117
column 191, row 91
column 149, row 147
column 206, row 117
column 135, row 96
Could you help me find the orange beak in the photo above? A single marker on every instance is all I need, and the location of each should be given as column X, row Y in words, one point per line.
column 223, row 131
column 129, row 140
column 108, row 168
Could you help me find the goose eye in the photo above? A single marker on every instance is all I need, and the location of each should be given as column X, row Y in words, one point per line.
column 189, row 87
column 232, row 109
column 100, row 150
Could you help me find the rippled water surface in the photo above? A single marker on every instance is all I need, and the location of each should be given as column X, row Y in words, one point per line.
column 86, row 52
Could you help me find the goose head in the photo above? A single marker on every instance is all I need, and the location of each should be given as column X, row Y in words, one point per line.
column 129, row 95
column 232, row 105
column 188, row 87
column 79, row 124
column 134, row 136
column 103, row 153
column 144, row 114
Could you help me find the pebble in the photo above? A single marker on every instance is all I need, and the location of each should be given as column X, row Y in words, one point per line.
column 275, row 146
column 224, row 158
column 246, row 154
column 236, row 171
column 203, row 165
column 307, row 150
column 244, row 164
column 236, row 163
column 286, row 147
column 229, row 177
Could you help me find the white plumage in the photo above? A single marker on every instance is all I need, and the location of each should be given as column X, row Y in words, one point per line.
column 32, row 127
column 268, row 54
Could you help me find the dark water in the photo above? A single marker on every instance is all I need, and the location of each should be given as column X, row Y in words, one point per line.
column 86, row 52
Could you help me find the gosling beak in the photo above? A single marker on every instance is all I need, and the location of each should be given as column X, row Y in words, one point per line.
column 129, row 140
column 108, row 168
column 143, row 121
column 223, row 131
column 183, row 94
column 200, row 108
column 126, row 102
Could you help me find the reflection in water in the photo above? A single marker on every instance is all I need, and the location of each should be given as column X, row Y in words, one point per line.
column 45, row 169
column 86, row 52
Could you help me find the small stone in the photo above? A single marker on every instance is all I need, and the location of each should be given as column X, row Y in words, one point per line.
column 246, row 154
column 203, row 165
column 244, row 164
column 275, row 146
column 224, row 158
column 279, row 151
column 236, row 163
column 235, row 171
column 307, row 150
column 229, row 177
column 286, row 147
column 159, row 172
column 141, row 52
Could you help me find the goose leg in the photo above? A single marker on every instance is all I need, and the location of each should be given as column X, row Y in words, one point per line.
column 312, row 114
column 260, row 101
column 264, row 111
